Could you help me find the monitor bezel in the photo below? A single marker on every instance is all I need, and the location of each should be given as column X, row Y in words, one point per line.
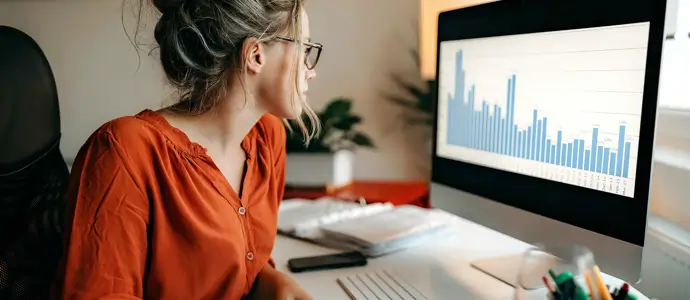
column 616, row 216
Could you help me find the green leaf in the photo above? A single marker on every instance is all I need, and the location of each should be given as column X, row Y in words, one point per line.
column 425, row 104
column 347, row 123
column 317, row 146
column 414, row 90
column 362, row 140
column 338, row 122
column 402, row 102
column 339, row 107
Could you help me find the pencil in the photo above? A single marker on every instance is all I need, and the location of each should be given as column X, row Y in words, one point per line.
column 590, row 283
column 605, row 295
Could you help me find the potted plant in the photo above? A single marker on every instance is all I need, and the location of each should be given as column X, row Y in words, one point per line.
column 327, row 158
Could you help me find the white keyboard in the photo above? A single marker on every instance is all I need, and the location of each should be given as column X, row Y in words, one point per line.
column 379, row 285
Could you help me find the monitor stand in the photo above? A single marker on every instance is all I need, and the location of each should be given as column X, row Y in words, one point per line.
column 511, row 267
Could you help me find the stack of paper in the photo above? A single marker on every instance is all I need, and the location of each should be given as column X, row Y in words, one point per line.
column 373, row 230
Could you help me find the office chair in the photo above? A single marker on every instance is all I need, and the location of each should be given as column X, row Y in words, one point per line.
column 33, row 173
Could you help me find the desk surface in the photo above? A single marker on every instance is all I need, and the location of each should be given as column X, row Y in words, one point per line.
column 440, row 270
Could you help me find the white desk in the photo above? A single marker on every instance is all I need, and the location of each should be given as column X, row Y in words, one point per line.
column 440, row 270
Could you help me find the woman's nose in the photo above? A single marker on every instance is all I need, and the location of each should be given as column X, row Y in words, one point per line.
column 311, row 74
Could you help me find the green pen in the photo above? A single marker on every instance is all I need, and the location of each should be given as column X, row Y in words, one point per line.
column 567, row 285
column 553, row 274
column 580, row 293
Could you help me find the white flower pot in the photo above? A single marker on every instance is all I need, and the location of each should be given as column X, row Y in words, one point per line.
column 334, row 169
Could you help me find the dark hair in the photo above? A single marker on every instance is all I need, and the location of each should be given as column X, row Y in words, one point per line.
column 200, row 44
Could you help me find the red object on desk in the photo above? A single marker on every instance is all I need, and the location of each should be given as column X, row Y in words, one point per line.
column 395, row 192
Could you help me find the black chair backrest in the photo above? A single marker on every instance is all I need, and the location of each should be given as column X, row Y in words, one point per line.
column 33, row 173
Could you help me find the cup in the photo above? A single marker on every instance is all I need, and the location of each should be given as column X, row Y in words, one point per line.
column 567, row 268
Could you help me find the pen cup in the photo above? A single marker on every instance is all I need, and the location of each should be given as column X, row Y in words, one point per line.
column 557, row 271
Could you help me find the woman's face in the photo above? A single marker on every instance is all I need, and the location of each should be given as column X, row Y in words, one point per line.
column 276, row 90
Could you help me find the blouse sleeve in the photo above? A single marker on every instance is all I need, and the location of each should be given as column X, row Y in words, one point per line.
column 278, row 138
column 280, row 162
column 106, row 230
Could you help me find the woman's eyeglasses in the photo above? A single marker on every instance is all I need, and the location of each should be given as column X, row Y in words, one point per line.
column 312, row 52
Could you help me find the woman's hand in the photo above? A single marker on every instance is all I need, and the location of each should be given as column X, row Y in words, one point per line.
column 271, row 284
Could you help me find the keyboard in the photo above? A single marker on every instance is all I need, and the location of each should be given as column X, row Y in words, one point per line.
column 379, row 285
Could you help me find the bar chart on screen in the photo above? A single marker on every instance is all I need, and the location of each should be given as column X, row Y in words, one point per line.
column 563, row 106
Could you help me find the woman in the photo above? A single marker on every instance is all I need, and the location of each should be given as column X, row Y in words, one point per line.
column 181, row 203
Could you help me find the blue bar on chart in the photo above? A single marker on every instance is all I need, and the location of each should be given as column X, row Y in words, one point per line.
column 477, row 127
column 576, row 148
column 559, row 161
column 497, row 122
column 513, row 141
column 544, row 141
column 569, row 164
column 491, row 127
column 511, row 110
column 605, row 168
column 518, row 152
column 592, row 163
column 530, row 146
column 507, row 138
column 525, row 142
column 533, row 136
column 549, row 152
column 619, row 161
column 502, row 134
column 626, row 163
column 580, row 154
column 600, row 149
column 537, row 152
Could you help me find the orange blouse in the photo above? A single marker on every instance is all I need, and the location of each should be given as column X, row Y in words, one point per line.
column 151, row 216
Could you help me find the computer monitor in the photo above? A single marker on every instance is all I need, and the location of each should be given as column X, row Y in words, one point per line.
column 547, row 109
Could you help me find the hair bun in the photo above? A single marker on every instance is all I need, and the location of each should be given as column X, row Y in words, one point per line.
column 167, row 5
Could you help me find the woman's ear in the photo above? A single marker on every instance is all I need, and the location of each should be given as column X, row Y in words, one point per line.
column 254, row 55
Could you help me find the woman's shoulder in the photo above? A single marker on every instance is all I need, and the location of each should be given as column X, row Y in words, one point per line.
column 128, row 137
column 272, row 130
column 131, row 131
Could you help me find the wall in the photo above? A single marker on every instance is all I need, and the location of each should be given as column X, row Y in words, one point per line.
column 98, row 77
column 94, row 62
column 428, row 23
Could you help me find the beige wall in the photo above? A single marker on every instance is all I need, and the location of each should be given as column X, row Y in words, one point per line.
column 96, row 67
column 94, row 63
column 429, row 11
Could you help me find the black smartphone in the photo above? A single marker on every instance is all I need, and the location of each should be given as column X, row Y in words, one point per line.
column 327, row 262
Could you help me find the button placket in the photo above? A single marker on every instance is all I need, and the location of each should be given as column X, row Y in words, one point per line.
column 242, row 210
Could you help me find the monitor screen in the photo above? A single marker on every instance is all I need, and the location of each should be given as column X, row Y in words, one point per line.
column 550, row 107
column 563, row 105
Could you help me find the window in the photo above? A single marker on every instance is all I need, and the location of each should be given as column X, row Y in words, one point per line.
column 671, row 178
column 676, row 57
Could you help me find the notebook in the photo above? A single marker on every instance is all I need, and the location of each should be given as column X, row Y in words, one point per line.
column 374, row 229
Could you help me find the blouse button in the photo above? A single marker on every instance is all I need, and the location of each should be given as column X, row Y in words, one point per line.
column 250, row 256
column 242, row 211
